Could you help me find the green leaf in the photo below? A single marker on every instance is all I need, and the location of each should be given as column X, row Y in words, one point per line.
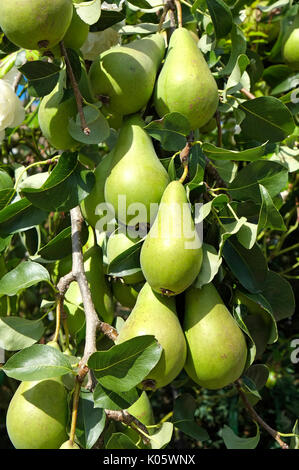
column 210, row 265
column 110, row 400
column 278, row 292
column 36, row 363
column 160, row 439
column 127, row 262
column 19, row 333
column 269, row 217
column 89, row 12
column 295, row 439
column 258, row 373
column 42, row 77
column 217, row 153
column 239, row 78
column 271, row 175
column 5, row 180
column 97, row 124
column 26, row 274
column 287, row 157
column 238, row 46
column 20, row 216
column 125, row 365
column 183, row 418
column 232, row 441
column 248, row 266
column 90, row 422
column 221, row 17
column 6, row 195
column 120, row 441
column 141, row 4
column 267, row 118
column 61, row 245
column 171, row 131
column 247, row 235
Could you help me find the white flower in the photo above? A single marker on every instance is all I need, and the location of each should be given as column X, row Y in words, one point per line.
column 98, row 42
column 12, row 113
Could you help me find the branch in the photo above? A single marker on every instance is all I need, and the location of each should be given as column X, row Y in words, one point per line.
column 179, row 13
column 258, row 419
column 247, row 94
column 124, row 417
column 75, row 86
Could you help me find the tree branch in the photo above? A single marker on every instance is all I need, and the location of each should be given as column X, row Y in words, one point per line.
column 124, row 417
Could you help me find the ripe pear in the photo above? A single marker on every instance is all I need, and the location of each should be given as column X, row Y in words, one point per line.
column 156, row 315
column 136, row 173
column 186, row 84
column 258, row 322
column 75, row 35
column 216, row 346
column 37, row 415
column 125, row 75
column 89, row 205
column 57, row 108
column 124, row 293
column 35, row 24
column 100, row 290
column 142, row 410
column 119, row 242
column 290, row 49
column 69, row 445
column 171, row 255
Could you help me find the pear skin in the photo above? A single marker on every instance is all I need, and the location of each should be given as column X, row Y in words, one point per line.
column 125, row 75
column 290, row 47
column 171, row 255
column 69, row 445
column 217, row 349
column 35, row 24
column 186, row 84
column 125, row 294
column 136, row 173
column 156, row 315
column 37, row 415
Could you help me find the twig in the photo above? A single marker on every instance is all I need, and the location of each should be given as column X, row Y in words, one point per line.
column 247, row 94
column 75, row 86
column 17, row 81
column 258, row 419
column 124, row 417
column 179, row 13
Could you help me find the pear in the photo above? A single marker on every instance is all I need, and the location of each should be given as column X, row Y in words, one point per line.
column 124, row 293
column 171, row 255
column 119, row 242
column 75, row 35
column 185, row 84
column 91, row 202
column 35, row 24
column 136, row 173
column 156, row 315
column 216, row 346
column 37, row 415
column 125, row 75
column 57, row 108
column 290, row 49
column 69, row 445
column 100, row 290
column 142, row 410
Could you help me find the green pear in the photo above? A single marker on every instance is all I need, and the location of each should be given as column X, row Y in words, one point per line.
column 35, row 24
column 57, row 108
column 136, row 174
column 171, row 255
column 258, row 322
column 185, row 84
column 37, row 415
column 100, row 290
column 142, row 410
column 89, row 205
column 125, row 75
column 290, row 49
column 209, row 126
column 69, row 445
column 118, row 242
column 217, row 349
column 125, row 294
column 156, row 315
column 77, row 32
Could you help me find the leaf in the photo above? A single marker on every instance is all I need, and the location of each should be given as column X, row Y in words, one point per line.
column 221, row 17
column 110, row 400
column 5, row 180
column 269, row 174
column 217, row 153
column 171, row 131
column 232, row 441
column 258, row 373
column 183, row 418
column 95, row 121
column 160, row 439
column 65, row 188
column 127, row 262
column 141, row 4
column 125, row 365
column 6, row 195
column 294, row 444
column 36, row 363
column 278, row 292
column 20, row 216
column 287, row 157
column 248, row 266
column 267, row 118
column 247, row 235
column 239, row 46
column 269, row 216
column 210, row 266
column 26, row 274
column 19, row 333
column 89, row 12
column 90, row 422
column 42, row 77
column 61, row 245
column 120, row 441
column 227, row 230
column 239, row 78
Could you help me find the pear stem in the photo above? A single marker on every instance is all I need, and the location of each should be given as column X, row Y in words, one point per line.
column 58, row 320
column 184, row 156
column 124, row 417
column 247, row 94
column 179, row 13
column 75, row 86
column 76, row 397
column 258, row 419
